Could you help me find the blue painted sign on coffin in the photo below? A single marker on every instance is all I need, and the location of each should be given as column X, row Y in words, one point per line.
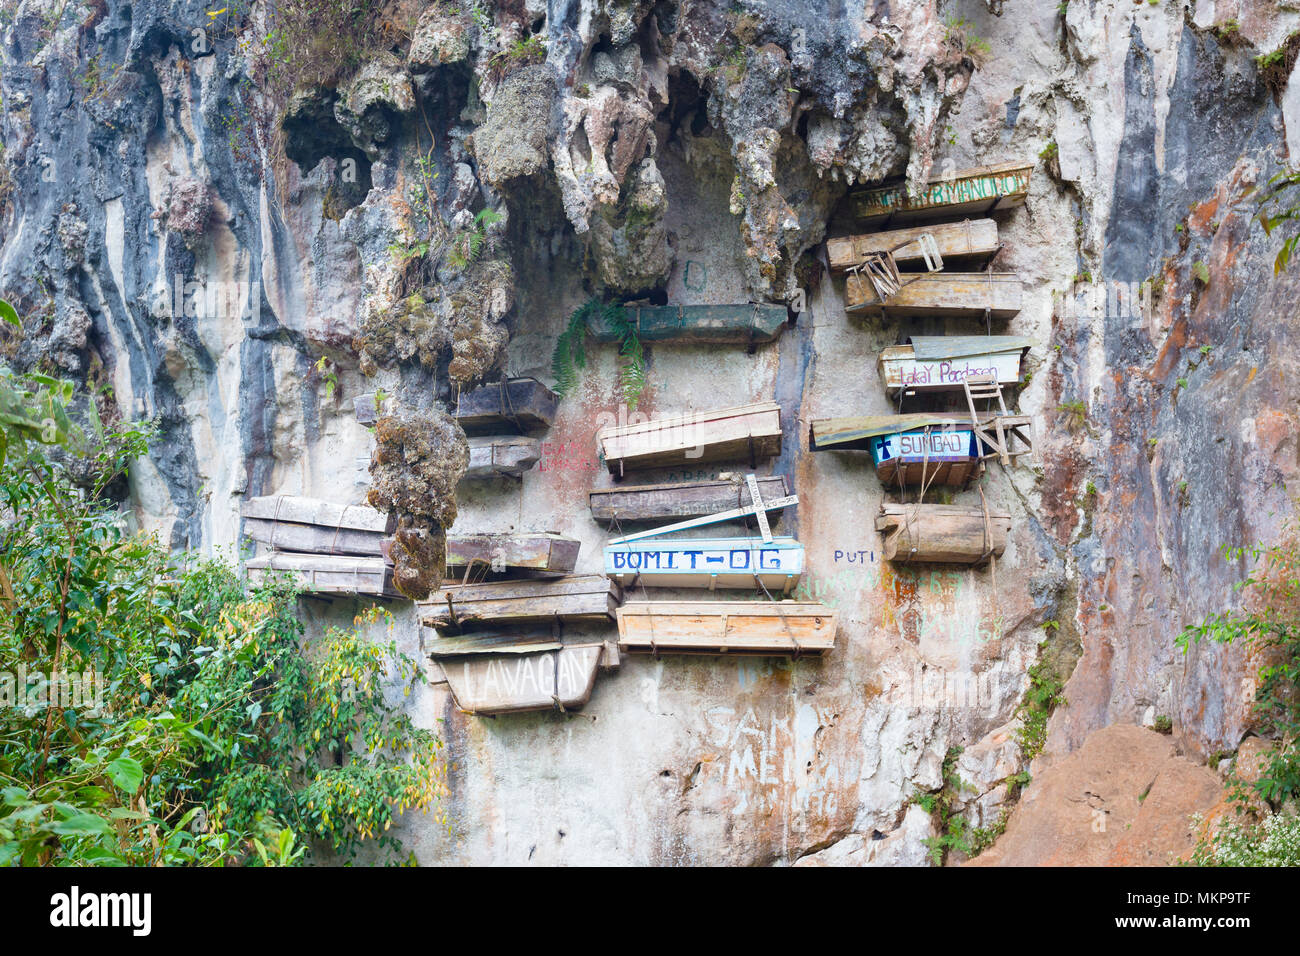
column 707, row 563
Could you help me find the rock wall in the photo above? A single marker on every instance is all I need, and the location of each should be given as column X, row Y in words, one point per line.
column 239, row 268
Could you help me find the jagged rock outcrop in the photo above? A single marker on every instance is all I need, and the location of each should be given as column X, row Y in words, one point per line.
column 1122, row 799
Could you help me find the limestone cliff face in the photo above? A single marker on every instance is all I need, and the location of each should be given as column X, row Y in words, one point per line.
column 238, row 265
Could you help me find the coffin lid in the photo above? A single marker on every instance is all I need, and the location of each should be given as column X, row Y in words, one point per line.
column 960, row 346
column 859, row 429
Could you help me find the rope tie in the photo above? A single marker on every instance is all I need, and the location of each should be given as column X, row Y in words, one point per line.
column 555, row 670
column 275, row 520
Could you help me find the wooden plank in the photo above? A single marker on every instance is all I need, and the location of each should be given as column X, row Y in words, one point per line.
column 540, row 553
column 718, row 324
column 327, row 574
column 970, row 238
column 966, row 294
column 520, row 404
column 513, row 641
column 899, row 368
column 690, row 499
column 976, row 191
column 501, row 457
column 726, row 627
column 579, row 597
column 515, row 683
column 915, row 533
column 313, row 538
column 293, row 508
column 707, row 563
column 724, row 434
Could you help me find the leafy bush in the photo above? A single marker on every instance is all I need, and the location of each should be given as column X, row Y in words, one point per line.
column 1274, row 842
column 1267, row 620
column 209, row 732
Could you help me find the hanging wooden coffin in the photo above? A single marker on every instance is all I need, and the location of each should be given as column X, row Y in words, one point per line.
column 690, row 499
column 501, row 457
column 293, row 523
column 744, row 432
column 579, row 597
column 971, row 294
column 520, row 405
column 972, row 239
column 933, row 449
column 726, row 627
column 539, row 555
column 915, row 533
column 506, row 683
column 976, row 191
column 327, row 573
column 720, row 324
column 942, row 363
column 707, row 563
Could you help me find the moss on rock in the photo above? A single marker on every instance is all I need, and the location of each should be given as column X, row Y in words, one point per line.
column 418, row 460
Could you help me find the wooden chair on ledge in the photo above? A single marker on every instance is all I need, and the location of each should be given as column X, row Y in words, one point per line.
column 1010, row 436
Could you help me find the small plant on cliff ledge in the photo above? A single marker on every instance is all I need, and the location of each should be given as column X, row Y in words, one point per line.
column 959, row 38
column 570, row 353
column 1046, row 692
column 468, row 244
column 1265, row 616
column 955, row 833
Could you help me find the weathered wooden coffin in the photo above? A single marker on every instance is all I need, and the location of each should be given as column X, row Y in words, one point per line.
column 520, row 404
column 720, row 324
column 501, row 457
column 579, row 597
column 926, row 448
column 539, row 554
column 707, row 563
column 689, row 499
column 327, row 573
column 969, row 192
column 366, row 409
column 562, row 677
column 744, row 432
column 942, row 533
column 292, row 523
column 941, row 363
column 726, row 627
column 968, row 294
column 965, row 240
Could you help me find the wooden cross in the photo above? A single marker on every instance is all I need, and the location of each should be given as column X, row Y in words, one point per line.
column 757, row 507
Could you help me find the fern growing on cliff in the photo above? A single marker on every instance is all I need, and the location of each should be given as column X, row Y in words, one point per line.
column 570, row 353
